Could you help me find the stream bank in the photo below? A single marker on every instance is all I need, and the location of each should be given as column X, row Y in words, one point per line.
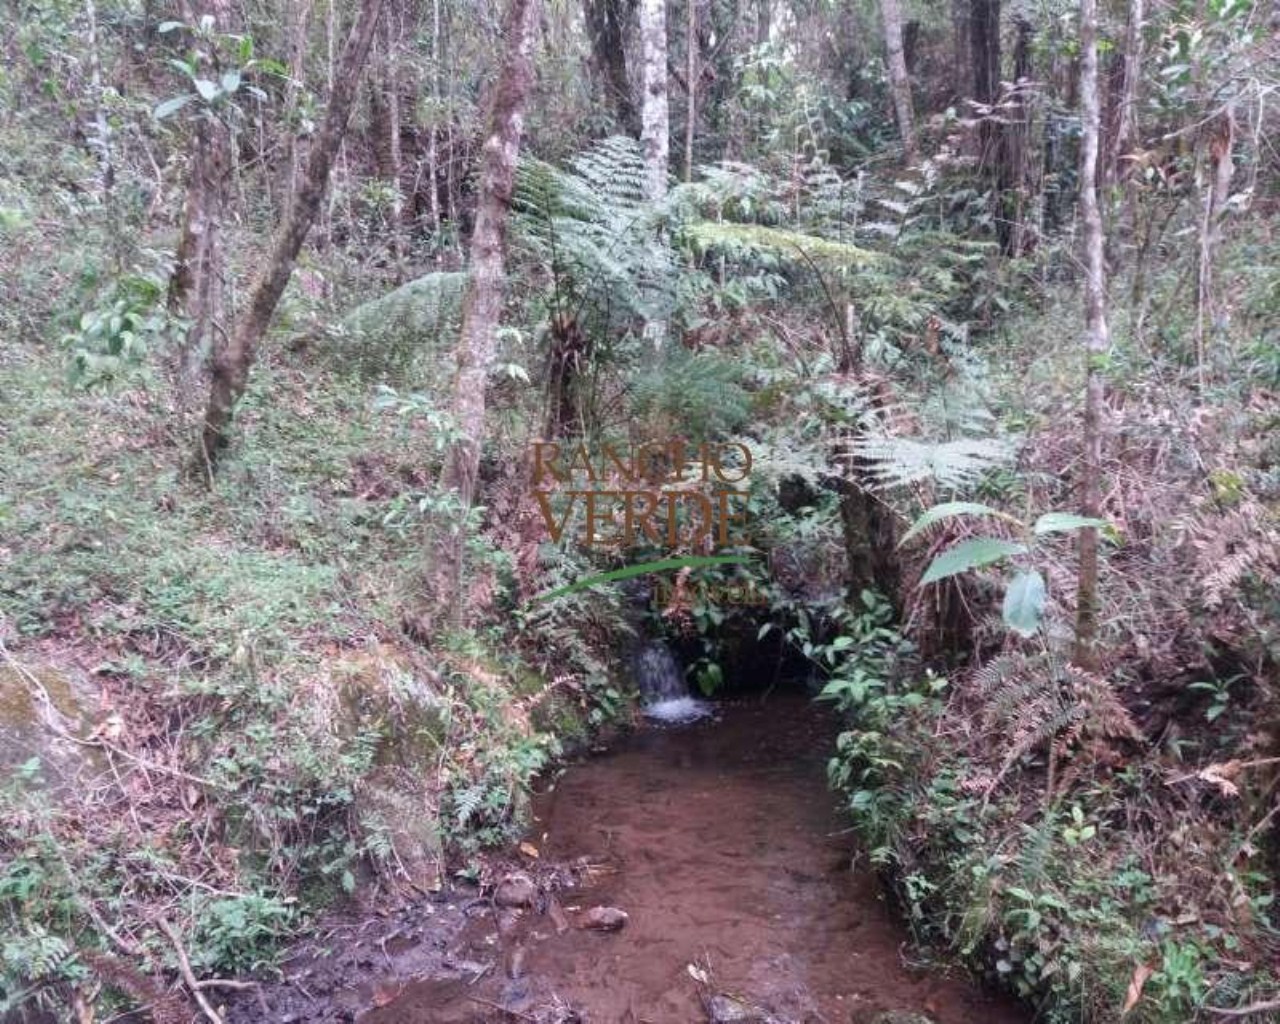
column 719, row 842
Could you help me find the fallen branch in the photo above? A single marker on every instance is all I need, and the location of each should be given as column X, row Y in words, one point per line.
column 1246, row 1011
column 184, row 968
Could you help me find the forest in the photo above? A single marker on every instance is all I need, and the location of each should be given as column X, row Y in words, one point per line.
column 465, row 460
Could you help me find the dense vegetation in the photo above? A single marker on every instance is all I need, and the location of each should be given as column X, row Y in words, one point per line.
column 288, row 292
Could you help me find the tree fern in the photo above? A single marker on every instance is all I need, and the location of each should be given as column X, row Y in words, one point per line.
column 696, row 395
column 385, row 337
column 599, row 237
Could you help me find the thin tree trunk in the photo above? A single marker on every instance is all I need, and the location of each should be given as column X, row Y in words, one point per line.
column 433, row 148
column 1013, row 157
column 691, row 81
column 233, row 361
column 984, row 51
column 764, row 21
column 1097, row 338
column 607, row 22
column 395, row 161
column 196, row 284
column 654, row 112
column 654, row 119
column 899, row 79
column 101, row 143
column 300, row 13
column 1126, row 133
column 1217, row 192
column 482, row 304
column 960, row 47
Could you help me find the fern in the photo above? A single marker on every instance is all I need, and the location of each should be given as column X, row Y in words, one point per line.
column 600, row 238
column 751, row 241
column 951, row 465
column 385, row 338
column 696, row 395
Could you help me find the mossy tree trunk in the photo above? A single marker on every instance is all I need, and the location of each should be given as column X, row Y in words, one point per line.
column 483, row 301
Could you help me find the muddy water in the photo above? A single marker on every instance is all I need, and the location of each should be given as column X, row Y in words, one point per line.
column 721, row 843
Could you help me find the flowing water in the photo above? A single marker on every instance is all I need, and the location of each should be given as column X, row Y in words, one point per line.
column 663, row 688
column 721, row 843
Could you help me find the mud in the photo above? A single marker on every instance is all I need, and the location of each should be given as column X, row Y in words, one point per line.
column 719, row 842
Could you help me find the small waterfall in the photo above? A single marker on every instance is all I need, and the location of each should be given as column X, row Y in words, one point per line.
column 662, row 687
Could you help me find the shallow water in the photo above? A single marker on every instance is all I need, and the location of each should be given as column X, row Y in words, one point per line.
column 722, row 844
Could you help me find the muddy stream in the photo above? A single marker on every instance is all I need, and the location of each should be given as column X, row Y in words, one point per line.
column 722, row 846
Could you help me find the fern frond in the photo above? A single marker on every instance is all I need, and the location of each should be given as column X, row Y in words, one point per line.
column 744, row 241
column 899, row 461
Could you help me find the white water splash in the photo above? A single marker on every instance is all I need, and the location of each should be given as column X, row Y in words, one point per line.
column 678, row 710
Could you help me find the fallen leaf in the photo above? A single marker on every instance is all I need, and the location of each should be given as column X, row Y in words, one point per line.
column 1221, row 775
column 529, row 850
column 1140, row 975
column 698, row 974
column 384, row 995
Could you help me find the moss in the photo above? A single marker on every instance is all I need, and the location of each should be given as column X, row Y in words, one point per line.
column 381, row 689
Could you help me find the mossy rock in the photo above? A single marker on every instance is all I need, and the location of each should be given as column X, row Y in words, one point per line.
column 396, row 807
column 39, row 708
column 561, row 717
column 382, row 689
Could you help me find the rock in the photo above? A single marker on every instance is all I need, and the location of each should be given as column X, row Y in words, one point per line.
column 515, row 890
column 388, row 800
column 901, row 1017
column 379, row 692
column 40, row 707
column 604, row 919
column 722, row 1009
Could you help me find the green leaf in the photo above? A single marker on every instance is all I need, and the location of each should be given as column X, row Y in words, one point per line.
column 208, row 90
column 1063, row 522
column 169, row 26
column 970, row 554
column 1024, row 603
column 231, row 81
column 945, row 511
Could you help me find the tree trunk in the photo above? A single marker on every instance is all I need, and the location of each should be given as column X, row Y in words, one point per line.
column 607, row 22
column 1097, row 338
column 433, row 147
column 100, row 142
column 1012, row 182
column 899, row 80
column 196, row 284
column 960, row 47
column 299, row 14
column 1125, row 135
column 984, row 51
column 764, row 21
column 691, row 83
column 233, row 360
column 1217, row 192
column 653, row 113
column 395, row 162
column 482, row 304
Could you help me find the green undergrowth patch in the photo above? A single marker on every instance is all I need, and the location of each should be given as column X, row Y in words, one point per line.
column 255, row 737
